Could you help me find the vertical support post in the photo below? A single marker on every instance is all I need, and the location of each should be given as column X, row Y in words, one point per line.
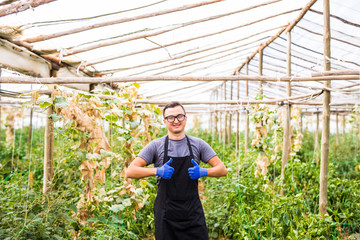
column 261, row 92
column 238, row 121
column 247, row 129
column 326, row 113
column 230, row 115
column 48, row 151
column 316, row 147
column 287, row 133
column 0, row 122
column 343, row 121
column 220, row 121
column 30, row 129
column 216, row 115
column 337, row 129
column 226, row 118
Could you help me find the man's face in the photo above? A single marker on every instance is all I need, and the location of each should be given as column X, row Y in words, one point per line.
column 177, row 126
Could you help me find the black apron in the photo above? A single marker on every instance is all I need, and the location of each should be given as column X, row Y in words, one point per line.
column 178, row 211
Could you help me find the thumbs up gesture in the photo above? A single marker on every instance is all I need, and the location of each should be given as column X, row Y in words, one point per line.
column 197, row 171
column 165, row 171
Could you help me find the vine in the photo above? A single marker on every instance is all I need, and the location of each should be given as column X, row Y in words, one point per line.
column 84, row 116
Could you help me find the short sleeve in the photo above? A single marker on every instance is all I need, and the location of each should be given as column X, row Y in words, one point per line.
column 206, row 152
column 149, row 153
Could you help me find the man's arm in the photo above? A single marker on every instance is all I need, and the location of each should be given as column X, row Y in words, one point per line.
column 137, row 169
column 217, row 169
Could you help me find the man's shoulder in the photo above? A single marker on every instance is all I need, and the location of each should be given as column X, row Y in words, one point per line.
column 159, row 140
column 195, row 139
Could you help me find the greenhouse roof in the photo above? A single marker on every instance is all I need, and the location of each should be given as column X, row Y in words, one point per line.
column 202, row 39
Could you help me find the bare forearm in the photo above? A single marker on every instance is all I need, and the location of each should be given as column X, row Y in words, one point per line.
column 140, row 172
column 217, row 171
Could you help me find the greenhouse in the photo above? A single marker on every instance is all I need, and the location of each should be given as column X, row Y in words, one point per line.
column 272, row 87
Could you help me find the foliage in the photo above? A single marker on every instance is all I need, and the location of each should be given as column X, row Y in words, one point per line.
column 242, row 206
column 238, row 206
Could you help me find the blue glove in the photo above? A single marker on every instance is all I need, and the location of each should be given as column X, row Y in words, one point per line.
column 197, row 171
column 165, row 171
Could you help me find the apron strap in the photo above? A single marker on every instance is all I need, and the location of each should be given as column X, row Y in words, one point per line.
column 190, row 149
column 166, row 147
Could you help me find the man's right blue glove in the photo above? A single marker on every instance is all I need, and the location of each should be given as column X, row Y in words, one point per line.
column 165, row 171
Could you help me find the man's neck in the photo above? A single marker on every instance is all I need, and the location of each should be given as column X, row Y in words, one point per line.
column 176, row 136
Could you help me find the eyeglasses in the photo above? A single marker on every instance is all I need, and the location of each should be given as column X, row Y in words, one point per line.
column 179, row 117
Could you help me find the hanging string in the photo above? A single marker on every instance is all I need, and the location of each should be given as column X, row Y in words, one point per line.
column 28, row 185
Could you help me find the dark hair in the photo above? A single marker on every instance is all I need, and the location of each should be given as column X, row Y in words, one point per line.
column 172, row 105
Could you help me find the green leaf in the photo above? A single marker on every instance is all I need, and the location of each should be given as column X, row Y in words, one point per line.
column 157, row 110
column 116, row 208
column 286, row 219
column 55, row 117
column 45, row 101
column 136, row 85
column 112, row 118
column 61, row 102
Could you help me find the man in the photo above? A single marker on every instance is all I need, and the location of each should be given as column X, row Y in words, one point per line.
column 176, row 158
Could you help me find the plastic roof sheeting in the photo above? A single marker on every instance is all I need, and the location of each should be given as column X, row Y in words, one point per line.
column 208, row 40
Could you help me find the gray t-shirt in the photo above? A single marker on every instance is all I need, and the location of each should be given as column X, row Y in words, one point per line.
column 153, row 153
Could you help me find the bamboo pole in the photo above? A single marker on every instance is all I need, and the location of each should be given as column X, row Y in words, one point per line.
column 110, row 42
column 341, row 19
column 343, row 121
column 216, row 115
column 226, row 116
column 316, row 147
column 337, row 129
column 118, row 21
column 0, row 109
column 238, row 121
column 247, row 128
column 287, row 133
column 190, row 62
column 230, row 115
column 48, row 151
column 326, row 115
column 261, row 47
column 0, row 121
column 287, row 28
column 261, row 91
column 20, row 6
column 220, row 117
column 89, row 80
column 179, row 56
column 30, row 130
column 301, row 15
column 336, row 72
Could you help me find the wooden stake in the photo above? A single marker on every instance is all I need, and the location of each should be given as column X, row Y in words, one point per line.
column 238, row 121
column 48, row 151
column 247, row 129
column 326, row 115
column 337, row 129
column 261, row 92
column 343, row 126
column 287, row 133
column 230, row 115
column 226, row 115
column 316, row 147
column 30, row 129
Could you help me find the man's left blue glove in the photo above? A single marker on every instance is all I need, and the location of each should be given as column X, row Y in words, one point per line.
column 197, row 171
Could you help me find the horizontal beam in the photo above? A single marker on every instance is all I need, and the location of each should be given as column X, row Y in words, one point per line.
column 97, row 80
